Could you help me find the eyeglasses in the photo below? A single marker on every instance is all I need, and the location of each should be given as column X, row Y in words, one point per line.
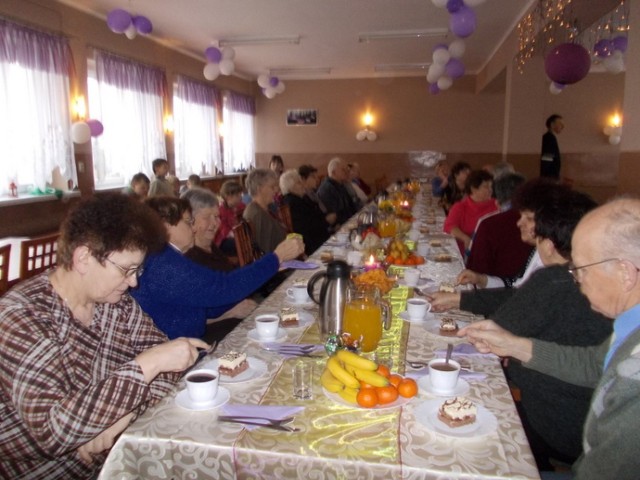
column 127, row 272
column 189, row 221
column 573, row 270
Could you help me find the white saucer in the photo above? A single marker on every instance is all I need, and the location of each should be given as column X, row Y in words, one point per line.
column 257, row 368
column 304, row 320
column 293, row 303
column 427, row 316
column 422, row 282
column 253, row 335
column 427, row 414
column 424, row 383
column 183, row 400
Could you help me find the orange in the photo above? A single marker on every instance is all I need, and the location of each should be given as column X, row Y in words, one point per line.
column 395, row 379
column 408, row 388
column 386, row 394
column 367, row 397
column 383, row 370
column 364, row 384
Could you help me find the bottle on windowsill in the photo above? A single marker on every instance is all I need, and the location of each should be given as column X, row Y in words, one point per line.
column 13, row 189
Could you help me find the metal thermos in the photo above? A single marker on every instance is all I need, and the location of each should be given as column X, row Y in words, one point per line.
column 333, row 292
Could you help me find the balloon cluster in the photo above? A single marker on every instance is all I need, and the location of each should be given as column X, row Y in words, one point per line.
column 462, row 21
column 610, row 52
column 121, row 21
column 219, row 62
column 82, row 131
column 271, row 86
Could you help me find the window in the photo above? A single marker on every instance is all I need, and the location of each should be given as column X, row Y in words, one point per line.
column 127, row 97
column 34, row 109
column 196, row 128
column 237, row 115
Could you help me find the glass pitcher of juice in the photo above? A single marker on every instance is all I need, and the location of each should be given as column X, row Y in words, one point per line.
column 387, row 225
column 365, row 313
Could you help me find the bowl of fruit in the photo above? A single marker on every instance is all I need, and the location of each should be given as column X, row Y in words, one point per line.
column 398, row 254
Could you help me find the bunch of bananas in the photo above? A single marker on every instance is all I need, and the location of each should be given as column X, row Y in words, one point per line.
column 398, row 250
column 344, row 372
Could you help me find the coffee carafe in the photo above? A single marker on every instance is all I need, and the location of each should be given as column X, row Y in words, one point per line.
column 336, row 281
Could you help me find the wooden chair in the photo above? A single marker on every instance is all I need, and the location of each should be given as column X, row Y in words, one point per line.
column 38, row 254
column 246, row 248
column 284, row 214
column 5, row 251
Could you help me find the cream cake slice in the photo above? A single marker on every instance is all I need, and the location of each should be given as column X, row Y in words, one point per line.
column 289, row 317
column 232, row 364
column 448, row 326
column 457, row 411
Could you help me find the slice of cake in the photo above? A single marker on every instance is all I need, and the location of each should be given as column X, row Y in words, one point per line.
column 435, row 243
column 447, row 287
column 448, row 327
column 289, row 317
column 457, row 411
column 232, row 364
column 442, row 257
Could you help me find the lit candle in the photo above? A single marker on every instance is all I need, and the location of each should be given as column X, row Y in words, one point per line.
column 371, row 264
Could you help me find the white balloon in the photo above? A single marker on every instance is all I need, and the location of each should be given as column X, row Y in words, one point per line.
column 457, row 48
column 280, row 87
column 439, row 3
column 473, row 3
column 441, row 56
column 444, row 83
column 227, row 66
column 269, row 92
column 608, row 130
column 211, row 71
column 435, row 72
column 131, row 32
column 80, row 132
column 614, row 139
column 614, row 64
column 228, row 53
column 361, row 135
column 553, row 88
column 263, row 80
column 372, row 136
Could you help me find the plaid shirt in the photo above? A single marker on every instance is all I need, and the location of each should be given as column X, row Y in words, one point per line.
column 61, row 383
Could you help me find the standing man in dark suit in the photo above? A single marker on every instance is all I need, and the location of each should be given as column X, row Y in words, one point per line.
column 550, row 156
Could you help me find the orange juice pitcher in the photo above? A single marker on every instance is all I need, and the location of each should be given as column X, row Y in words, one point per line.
column 365, row 313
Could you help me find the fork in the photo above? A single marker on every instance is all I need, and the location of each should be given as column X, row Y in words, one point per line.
column 291, row 349
column 202, row 353
column 282, row 428
column 271, row 421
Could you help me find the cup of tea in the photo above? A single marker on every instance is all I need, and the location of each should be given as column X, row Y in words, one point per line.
column 411, row 277
column 342, row 237
column 414, row 235
column 443, row 376
column 417, row 308
column 354, row 258
column 202, row 385
column 298, row 293
column 422, row 249
column 267, row 326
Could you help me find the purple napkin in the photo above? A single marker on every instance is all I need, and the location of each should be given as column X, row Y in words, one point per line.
column 272, row 412
column 299, row 265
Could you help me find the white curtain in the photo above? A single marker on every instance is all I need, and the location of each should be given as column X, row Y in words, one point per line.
column 34, row 108
column 127, row 97
column 239, row 145
column 195, row 133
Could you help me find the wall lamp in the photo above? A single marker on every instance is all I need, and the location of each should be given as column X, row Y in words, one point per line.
column 613, row 130
column 367, row 133
column 79, row 108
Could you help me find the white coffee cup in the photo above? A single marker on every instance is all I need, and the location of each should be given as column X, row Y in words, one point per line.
column 422, row 249
column 342, row 237
column 418, row 307
column 267, row 326
column 298, row 293
column 202, row 385
column 443, row 377
column 414, row 235
column 411, row 277
column 354, row 258
column 340, row 253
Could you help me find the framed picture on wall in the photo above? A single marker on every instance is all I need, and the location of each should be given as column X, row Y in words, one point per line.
column 302, row 117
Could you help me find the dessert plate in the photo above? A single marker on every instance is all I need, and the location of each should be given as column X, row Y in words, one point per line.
column 424, row 383
column 183, row 400
column 304, row 320
column 257, row 368
column 427, row 316
column 427, row 414
column 253, row 335
column 293, row 303
column 399, row 402
column 433, row 326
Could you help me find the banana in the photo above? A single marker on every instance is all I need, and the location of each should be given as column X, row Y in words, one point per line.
column 355, row 360
column 350, row 395
column 330, row 382
column 372, row 378
column 341, row 374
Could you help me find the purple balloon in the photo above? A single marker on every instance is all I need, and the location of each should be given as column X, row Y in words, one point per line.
column 213, row 54
column 454, row 5
column 118, row 20
column 273, row 81
column 143, row 25
column 463, row 22
column 603, row 47
column 454, row 68
column 440, row 46
column 96, row 128
column 567, row 63
column 434, row 89
column 620, row 43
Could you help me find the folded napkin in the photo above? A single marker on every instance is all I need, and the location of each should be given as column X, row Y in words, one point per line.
column 271, row 412
column 466, row 349
column 299, row 265
column 471, row 376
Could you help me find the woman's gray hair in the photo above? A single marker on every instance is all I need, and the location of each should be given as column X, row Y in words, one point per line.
column 288, row 180
column 257, row 178
column 200, row 198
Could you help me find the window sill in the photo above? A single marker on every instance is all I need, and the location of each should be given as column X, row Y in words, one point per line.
column 6, row 201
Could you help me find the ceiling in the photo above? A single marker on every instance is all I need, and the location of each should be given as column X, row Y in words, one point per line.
column 329, row 32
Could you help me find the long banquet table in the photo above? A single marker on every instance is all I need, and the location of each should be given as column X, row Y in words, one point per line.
column 335, row 441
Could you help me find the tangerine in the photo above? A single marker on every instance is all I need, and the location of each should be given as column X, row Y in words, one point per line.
column 386, row 394
column 395, row 379
column 367, row 397
column 408, row 388
column 364, row 384
column 383, row 370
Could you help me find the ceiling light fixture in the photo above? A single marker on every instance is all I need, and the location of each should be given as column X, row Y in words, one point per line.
column 397, row 67
column 299, row 71
column 249, row 40
column 401, row 34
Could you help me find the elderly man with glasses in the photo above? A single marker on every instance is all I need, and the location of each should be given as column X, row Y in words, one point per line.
column 606, row 255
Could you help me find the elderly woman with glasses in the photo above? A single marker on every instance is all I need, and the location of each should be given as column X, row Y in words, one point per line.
column 79, row 357
column 181, row 295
